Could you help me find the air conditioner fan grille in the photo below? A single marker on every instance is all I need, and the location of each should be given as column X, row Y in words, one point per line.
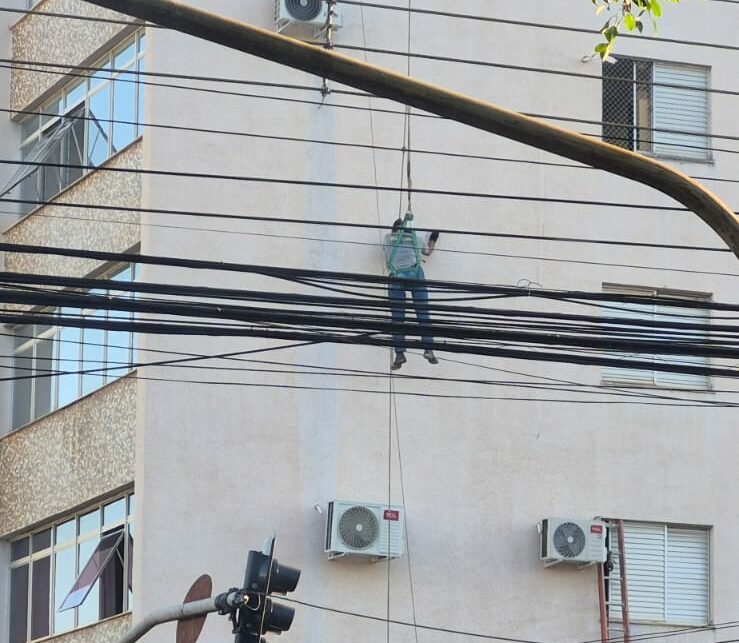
column 569, row 540
column 304, row 9
column 358, row 527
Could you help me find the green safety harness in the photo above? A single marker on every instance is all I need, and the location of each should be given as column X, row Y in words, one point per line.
column 404, row 229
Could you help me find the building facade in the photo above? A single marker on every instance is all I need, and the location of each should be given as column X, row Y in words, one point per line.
column 137, row 140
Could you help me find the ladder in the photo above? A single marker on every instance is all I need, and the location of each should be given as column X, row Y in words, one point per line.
column 607, row 631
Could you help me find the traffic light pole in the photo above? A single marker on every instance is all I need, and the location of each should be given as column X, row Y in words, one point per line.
column 443, row 102
column 176, row 613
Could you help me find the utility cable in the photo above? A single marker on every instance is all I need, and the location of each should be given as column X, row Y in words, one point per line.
column 368, row 279
column 538, row 25
column 323, row 102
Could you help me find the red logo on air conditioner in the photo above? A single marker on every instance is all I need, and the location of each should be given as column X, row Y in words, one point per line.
column 596, row 529
column 391, row 514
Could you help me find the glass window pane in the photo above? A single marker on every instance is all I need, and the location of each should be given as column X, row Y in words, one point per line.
column 102, row 76
column 92, row 355
column 41, row 540
column 106, row 554
column 51, row 176
column 22, row 367
column 129, row 571
column 65, row 532
column 29, row 126
column 89, row 611
column 124, row 111
column 73, row 146
column 98, row 126
column 51, row 110
column 140, row 100
column 40, row 587
column 142, row 42
column 131, row 504
column 19, row 549
column 90, row 522
column 19, row 604
column 76, row 93
column 64, row 575
column 69, row 361
column 42, row 391
column 114, row 512
column 125, row 56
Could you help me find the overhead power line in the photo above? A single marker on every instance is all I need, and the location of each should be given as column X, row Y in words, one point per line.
column 120, row 209
column 323, row 102
column 538, row 25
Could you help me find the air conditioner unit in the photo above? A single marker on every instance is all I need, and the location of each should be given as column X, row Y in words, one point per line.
column 569, row 540
column 304, row 17
column 364, row 529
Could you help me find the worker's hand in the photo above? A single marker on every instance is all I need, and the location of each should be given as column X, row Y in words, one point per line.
column 409, row 216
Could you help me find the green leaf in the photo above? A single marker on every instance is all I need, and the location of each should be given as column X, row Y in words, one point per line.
column 655, row 8
column 629, row 22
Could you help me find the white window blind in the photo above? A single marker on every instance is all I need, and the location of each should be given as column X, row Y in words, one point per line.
column 667, row 571
column 657, row 313
column 682, row 108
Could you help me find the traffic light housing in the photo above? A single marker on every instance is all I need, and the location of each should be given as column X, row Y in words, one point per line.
column 260, row 615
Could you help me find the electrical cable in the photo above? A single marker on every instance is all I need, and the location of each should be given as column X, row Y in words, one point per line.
column 538, row 25
column 556, row 385
column 367, row 279
column 349, row 186
column 323, row 102
column 338, row 224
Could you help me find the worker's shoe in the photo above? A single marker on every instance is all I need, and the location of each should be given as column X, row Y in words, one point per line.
column 430, row 357
column 398, row 361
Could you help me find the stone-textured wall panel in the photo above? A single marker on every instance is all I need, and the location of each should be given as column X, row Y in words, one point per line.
column 65, row 226
column 108, row 630
column 71, row 456
column 60, row 41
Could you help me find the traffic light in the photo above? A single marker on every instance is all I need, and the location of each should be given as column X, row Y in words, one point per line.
column 260, row 615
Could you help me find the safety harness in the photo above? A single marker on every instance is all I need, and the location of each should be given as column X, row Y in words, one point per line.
column 404, row 229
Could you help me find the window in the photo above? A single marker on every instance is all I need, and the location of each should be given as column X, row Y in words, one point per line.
column 654, row 313
column 657, row 108
column 91, row 119
column 73, row 572
column 667, row 572
column 46, row 348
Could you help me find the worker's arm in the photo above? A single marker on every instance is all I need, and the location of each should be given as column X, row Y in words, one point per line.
column 433, row 237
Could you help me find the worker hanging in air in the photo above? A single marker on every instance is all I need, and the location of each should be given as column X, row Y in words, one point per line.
column 403, row 260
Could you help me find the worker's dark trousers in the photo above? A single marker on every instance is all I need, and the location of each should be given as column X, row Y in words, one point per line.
column 396, row 293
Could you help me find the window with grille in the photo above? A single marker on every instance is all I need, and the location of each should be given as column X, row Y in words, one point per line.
column 657, row 108
column 73, row 572
column 667, row 574
column 55, row 365
column 653, row 319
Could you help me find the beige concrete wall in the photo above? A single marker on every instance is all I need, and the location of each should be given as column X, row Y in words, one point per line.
column 61, row 41
column 478, row 474
column 69, row 457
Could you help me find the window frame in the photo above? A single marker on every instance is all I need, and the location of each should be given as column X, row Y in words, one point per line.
column 612, row 579
column 125, row 524
column 36, row 128
column 618, row 377
column 53, row 332
column 653, row 129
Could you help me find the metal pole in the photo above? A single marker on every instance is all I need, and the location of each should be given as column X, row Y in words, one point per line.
column 167, row 614
column 458, row 107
